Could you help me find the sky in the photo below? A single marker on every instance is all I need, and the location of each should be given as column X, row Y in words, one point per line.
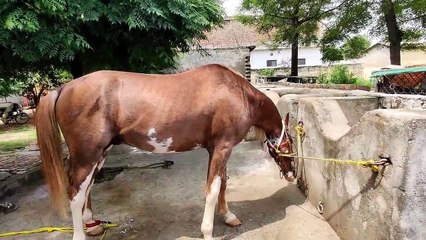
column 231, row 6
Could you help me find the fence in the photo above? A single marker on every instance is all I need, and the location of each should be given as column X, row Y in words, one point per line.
column 401, row 81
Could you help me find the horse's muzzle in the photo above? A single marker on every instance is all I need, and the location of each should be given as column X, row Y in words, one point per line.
column 289, row 176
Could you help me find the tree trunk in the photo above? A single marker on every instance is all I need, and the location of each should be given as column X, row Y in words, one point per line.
column 76, row 67
column 394, row 33
column 36, row 96
column 295, row 55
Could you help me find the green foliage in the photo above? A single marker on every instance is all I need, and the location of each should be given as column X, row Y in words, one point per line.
column 288, row 22
column 331, row 53
column 363, row 82
column 340, row 74
column 135, row 35
column 353, row 47
column 8, row 88
column 356, row 16
column 268, row 72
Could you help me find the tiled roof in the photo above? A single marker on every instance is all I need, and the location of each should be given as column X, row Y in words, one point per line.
column 233, row 34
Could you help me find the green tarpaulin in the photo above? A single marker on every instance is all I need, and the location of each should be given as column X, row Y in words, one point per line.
column 397, row 71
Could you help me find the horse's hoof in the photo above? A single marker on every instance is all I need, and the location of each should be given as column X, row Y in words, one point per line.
column 234, row 223
column 95, row 231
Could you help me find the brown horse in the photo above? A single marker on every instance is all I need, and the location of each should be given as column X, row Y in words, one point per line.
column 211, row 107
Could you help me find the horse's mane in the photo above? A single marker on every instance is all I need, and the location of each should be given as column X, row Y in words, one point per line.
column 259, row 133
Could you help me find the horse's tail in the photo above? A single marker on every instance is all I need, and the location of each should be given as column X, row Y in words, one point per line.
column 49, row 142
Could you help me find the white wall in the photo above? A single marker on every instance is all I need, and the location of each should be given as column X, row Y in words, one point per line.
column 260, row 55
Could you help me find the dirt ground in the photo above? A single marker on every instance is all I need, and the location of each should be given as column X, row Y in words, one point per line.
column 168, row 203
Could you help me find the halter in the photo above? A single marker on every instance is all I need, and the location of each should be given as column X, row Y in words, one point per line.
column 273, row 143
column 275, row 146
column 282, row 133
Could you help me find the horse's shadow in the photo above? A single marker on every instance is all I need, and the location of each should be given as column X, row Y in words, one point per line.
column 183, row 221
column 258, row 213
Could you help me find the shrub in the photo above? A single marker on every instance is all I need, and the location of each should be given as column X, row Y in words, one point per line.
column 363, row 82
column 324, row 78
column 267, row 72
column 341, row 75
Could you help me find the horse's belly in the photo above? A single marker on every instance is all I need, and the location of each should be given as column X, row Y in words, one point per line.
column 157, row 143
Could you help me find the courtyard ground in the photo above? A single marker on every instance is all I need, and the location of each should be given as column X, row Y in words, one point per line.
column 168, row 203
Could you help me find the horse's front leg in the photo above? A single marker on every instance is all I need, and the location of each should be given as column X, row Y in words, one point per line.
column 229, row 218
column 217, row 165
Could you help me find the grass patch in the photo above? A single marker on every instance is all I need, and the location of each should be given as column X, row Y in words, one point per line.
column 17, row 138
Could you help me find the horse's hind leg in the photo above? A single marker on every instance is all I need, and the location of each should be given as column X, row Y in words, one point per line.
column 228, row 216
column 93, row 227
column 81, row 172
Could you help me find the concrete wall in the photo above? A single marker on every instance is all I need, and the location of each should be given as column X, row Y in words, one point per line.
column 358, row 203
column 234, row 58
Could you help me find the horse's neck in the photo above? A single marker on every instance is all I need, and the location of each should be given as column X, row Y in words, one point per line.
column 269, row 119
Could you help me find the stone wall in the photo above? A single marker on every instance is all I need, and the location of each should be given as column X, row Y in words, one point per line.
column 359, row 203
column 234, row 58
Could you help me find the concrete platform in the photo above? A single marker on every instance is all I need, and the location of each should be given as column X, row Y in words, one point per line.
column 169, row 203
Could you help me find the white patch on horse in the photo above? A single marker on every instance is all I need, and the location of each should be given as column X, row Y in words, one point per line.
column 160, row 146
column 77, row 205
column 211, row 200
column 196, row 147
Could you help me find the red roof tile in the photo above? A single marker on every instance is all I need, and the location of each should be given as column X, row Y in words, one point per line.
column 233, row 34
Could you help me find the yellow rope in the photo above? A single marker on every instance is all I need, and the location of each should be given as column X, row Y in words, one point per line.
column 54, row 229
column 300, row 131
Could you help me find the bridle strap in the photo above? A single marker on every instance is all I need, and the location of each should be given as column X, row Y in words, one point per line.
column 282, row 134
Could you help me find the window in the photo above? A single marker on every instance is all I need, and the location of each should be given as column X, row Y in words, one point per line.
column 271, row 63
column 301, row 61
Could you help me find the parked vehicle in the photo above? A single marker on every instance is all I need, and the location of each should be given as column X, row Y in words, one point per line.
column 16, row 115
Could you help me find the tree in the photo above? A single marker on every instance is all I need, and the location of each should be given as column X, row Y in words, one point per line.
column 398, row 22
column 79, row 36
column 7, row 88
column 354, row 47
column 291, row 23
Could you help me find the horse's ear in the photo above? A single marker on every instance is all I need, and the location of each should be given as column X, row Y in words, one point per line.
column 286, row 120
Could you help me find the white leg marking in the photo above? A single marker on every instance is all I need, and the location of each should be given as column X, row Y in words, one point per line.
column 87, row 213
column 101, row 164
column 211, row 200
column 160, row 146
column 77, row 205
column 229, row 216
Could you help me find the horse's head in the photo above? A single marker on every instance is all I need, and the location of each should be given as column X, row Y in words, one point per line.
column 281, row 146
